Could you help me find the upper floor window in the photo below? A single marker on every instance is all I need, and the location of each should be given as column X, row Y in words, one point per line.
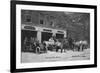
column 41, row 21
column 28, row 18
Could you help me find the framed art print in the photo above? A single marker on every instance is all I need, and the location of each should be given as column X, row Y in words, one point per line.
column 52, row 36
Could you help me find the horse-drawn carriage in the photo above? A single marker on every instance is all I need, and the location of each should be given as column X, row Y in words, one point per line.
column 56, row 45
column 67, row 45
column 62, row 45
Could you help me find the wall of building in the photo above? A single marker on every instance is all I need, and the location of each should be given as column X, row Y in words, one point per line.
column 78, row 29
column 40, row 30
column 34, row 17
column 50, row 19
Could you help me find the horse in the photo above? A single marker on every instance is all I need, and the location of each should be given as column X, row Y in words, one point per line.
column 62, row 45
column 58, row 46
column 84, row 44
column 65, row 45
column 49, row 45
column 80, row 45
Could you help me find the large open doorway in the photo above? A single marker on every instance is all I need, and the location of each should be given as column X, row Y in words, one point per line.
column 46, row 36
column 27, row 34
column 59, row 36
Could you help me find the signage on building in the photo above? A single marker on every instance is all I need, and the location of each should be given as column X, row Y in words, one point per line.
column 47, row 30
column 29, row 27
column 60, row 31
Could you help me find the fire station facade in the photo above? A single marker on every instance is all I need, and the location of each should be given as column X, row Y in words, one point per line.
column 41, row 25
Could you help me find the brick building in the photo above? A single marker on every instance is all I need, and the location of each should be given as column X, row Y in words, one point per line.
column 42, row 25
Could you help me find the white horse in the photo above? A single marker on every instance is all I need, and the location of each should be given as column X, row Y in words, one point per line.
column 49, row 43
column 81, row 42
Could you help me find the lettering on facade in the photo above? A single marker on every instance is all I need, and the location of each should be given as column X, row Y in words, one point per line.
column 29, row 27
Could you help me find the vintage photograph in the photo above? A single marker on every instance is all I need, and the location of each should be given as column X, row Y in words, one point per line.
column 52, row 36
column 49, row 36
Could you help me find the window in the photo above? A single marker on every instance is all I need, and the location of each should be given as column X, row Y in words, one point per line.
column 28, row 18
column 41, row 22
column 52, row 24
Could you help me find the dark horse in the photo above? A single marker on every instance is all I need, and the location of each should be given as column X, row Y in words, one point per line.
column 70, row 44
column 63, row 45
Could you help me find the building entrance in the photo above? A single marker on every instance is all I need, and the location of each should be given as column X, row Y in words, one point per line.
column 27, row 34
column 59, row 36
column 46, row 36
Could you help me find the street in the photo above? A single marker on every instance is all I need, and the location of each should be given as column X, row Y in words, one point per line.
column 69, row 55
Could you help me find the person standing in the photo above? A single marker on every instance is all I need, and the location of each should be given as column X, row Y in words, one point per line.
column 70, row 40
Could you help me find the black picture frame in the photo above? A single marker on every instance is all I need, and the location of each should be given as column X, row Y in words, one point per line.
column 13, row 35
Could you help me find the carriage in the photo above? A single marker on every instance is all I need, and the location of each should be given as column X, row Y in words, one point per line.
column 62, row 45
